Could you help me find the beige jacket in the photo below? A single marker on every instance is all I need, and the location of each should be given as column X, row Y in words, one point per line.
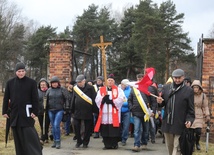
column 201, row 106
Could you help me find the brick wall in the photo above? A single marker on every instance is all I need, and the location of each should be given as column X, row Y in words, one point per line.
column 208, row 78
column 60, row 61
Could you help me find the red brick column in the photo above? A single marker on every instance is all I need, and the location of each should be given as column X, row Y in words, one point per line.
column 60, row 61
column 207, row 73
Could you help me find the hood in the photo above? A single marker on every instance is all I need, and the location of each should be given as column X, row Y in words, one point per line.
column 42, row 79
column 197, row 83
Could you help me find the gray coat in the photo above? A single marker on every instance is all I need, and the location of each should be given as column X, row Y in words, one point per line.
column 183, row 109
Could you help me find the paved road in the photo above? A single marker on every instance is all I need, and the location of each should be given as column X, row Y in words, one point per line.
column 96, row 145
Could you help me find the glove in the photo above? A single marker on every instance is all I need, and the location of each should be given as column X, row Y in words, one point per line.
column 207, row 118
column 105, row 98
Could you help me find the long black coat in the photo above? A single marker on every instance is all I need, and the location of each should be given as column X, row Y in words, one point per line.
column 184, row 109
column 79, row 107
column 22, row 94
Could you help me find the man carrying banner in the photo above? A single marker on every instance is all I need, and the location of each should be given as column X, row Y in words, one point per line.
column 138, row 106
column 109, row 100
column 82, row 107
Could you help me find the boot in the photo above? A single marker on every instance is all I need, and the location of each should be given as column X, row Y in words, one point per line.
column 197, row 138
column 198, row 147
column 54, row 144
column 58, row 145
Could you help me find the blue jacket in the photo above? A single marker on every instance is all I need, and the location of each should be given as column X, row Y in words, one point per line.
column 125, row 107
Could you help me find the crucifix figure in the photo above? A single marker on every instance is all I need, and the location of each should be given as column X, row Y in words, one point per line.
column 102, row 46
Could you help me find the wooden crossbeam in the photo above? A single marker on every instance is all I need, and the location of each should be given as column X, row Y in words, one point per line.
column 102, row 46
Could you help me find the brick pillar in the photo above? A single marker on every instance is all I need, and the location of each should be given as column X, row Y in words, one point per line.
column 207, row 74
column 60, row 61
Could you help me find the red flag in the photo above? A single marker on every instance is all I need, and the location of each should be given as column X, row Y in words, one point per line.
column 146, row 81
column 144, row 84
column 150, row 72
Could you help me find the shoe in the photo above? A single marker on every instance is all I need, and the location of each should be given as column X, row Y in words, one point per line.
column 123, row 143
column 96, row 135
column 198, row 147
column 115, row 147
column 46, row 141
column 136, row 149
column 58, row 145
column 152, row 141
column 54, row 144
column 163, row 141
column 78, row 145
column 67, row 134
column 106, row 148
column 160, row 132
column 85, row 146
column 74, row 138
column 143, row 147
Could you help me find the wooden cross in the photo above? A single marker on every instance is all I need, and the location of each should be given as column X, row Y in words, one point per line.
column 102, row 46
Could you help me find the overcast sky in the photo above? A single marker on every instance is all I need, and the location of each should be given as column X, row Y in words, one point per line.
column 199, row 14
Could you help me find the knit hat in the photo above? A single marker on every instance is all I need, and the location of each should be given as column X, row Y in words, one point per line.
column 80, row 78
column 19, row 66
column 100, row 78
column 54, row 79
column 178, row 73
column 125, row 81
column 111, row 76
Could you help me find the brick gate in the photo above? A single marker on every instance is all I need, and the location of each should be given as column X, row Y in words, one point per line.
column 205, row 72
column 60, row 60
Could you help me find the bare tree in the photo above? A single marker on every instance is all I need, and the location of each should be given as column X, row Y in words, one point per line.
column 10, row 30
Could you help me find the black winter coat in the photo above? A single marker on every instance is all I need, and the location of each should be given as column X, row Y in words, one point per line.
column 79, row 107
column 134, row 105
column 183, row 109
column 21, row 96
column 152, row 100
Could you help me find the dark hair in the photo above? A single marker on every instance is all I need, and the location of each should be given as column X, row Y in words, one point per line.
column 140, row 75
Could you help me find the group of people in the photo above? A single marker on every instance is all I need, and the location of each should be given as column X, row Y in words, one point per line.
column 105, row 110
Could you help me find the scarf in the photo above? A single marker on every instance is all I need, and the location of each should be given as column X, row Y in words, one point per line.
column 171, row 101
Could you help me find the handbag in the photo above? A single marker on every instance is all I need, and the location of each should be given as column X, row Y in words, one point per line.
column 186, row 141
